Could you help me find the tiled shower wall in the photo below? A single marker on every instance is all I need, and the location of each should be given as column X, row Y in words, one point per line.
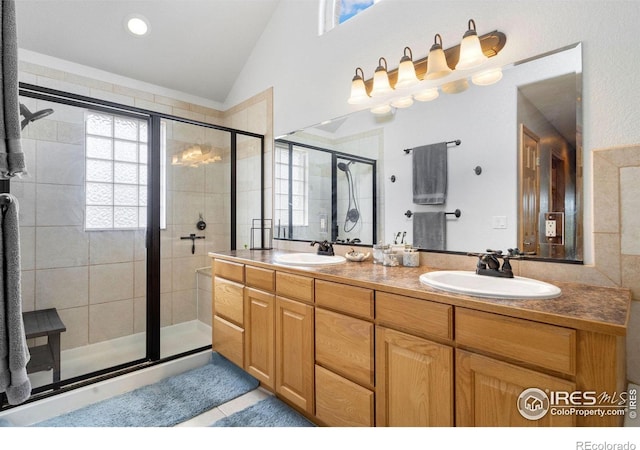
column 97, row 280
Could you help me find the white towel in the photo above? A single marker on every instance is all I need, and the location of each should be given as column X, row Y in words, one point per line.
column 14, row 353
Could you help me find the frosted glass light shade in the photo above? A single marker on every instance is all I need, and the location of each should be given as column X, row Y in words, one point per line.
column 487, row 77
column 471, row 55
column 455, row 87
column 381, row 109
column 437, row 62
column 402, row 102
column 406, row 71
column 358, row 89
column 427, row 95
column 381, row 84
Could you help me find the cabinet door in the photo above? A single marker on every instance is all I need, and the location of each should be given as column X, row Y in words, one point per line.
column 487, row 392
column 414, row 381
column 259, row 349
column 294, row 353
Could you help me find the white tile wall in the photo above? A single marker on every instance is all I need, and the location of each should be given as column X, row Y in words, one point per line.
column 110, row 282
column 61, row 247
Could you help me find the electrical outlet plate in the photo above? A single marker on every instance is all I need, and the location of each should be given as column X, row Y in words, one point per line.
column 550, row 228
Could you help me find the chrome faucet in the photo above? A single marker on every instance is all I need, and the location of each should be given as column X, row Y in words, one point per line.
column 489, row 264
column 324, row 248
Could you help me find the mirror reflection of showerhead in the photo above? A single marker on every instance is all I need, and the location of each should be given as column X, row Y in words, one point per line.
column 32, row 117
column 353, row 211
column 344, row 167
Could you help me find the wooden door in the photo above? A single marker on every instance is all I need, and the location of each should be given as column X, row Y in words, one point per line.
column 295, row 353
column 487, row 393
column 259, row 336
column 414, row 381
column 529, row 204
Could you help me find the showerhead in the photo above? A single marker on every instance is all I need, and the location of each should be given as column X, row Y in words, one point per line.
column 344, row 167
column 32, row 117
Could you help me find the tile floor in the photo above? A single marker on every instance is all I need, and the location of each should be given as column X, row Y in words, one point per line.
column 226, row 409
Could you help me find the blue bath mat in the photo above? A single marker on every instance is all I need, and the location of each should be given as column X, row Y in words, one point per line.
column 269, row 412
column 165, row 403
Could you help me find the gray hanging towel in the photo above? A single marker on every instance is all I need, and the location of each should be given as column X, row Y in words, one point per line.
column 430, row 174
column 14, row 353
column 429, row 230
column 11, row 156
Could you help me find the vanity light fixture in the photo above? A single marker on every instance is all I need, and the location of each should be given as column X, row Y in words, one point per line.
column 487, row 77
column 358, row 89
column 381, row 84
column 471, row 55
column 406, row 71
column 437, row 66
column 422, row 80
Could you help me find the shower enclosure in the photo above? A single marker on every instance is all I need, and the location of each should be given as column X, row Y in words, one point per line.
column 118, row 212
column 323, row 194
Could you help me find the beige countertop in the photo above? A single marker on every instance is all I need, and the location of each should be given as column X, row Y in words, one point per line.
column 580, row 306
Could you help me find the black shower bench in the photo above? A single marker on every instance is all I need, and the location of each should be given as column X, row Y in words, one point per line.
column 40, row 323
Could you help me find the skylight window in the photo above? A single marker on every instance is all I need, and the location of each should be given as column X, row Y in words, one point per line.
column 349, row 8
column 335, row 12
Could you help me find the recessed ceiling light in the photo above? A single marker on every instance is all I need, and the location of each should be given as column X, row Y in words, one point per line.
column 137, row 25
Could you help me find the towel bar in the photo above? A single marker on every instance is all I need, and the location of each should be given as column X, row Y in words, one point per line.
column 457, row 142
column 5, row 199
column 456, row 213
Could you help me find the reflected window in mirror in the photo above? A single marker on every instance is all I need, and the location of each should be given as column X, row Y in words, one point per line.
column 291, row 182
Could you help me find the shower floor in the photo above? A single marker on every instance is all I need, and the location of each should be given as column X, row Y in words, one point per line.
column 78, row 361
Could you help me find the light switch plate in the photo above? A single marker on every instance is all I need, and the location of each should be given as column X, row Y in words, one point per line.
column 499, row 222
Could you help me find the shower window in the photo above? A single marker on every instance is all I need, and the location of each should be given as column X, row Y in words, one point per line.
column 116, row 172
column 298, row 170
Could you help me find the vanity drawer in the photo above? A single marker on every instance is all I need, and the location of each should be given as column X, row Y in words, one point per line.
column 352, row 300
column 419, row 317
column 345, row 345
column 342, row 403
column 228, row 340
column 228, row 300
column 229, row 270
column 259, row 278
column 294, row 287
column 543, row 345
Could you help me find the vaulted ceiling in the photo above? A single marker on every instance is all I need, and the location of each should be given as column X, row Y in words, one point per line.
column 195, row 46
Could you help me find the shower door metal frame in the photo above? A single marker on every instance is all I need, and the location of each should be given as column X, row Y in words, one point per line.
column 153, row 119
column 335, row 155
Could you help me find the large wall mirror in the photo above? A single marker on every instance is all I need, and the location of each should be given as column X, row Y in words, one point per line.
column 514, row 179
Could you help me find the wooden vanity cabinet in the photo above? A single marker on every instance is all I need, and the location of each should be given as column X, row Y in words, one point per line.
column 414, row 374
column 350, row 356
column 345, row 369
column 294, row 332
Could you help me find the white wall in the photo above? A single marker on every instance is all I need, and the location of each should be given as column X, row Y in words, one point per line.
column 311, row 74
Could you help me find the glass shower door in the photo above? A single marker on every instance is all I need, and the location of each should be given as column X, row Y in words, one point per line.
column 198, row 220
column 82, row 227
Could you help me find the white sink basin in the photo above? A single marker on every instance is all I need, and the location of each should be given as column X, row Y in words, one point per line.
column 309, row 259
column 470, row 283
